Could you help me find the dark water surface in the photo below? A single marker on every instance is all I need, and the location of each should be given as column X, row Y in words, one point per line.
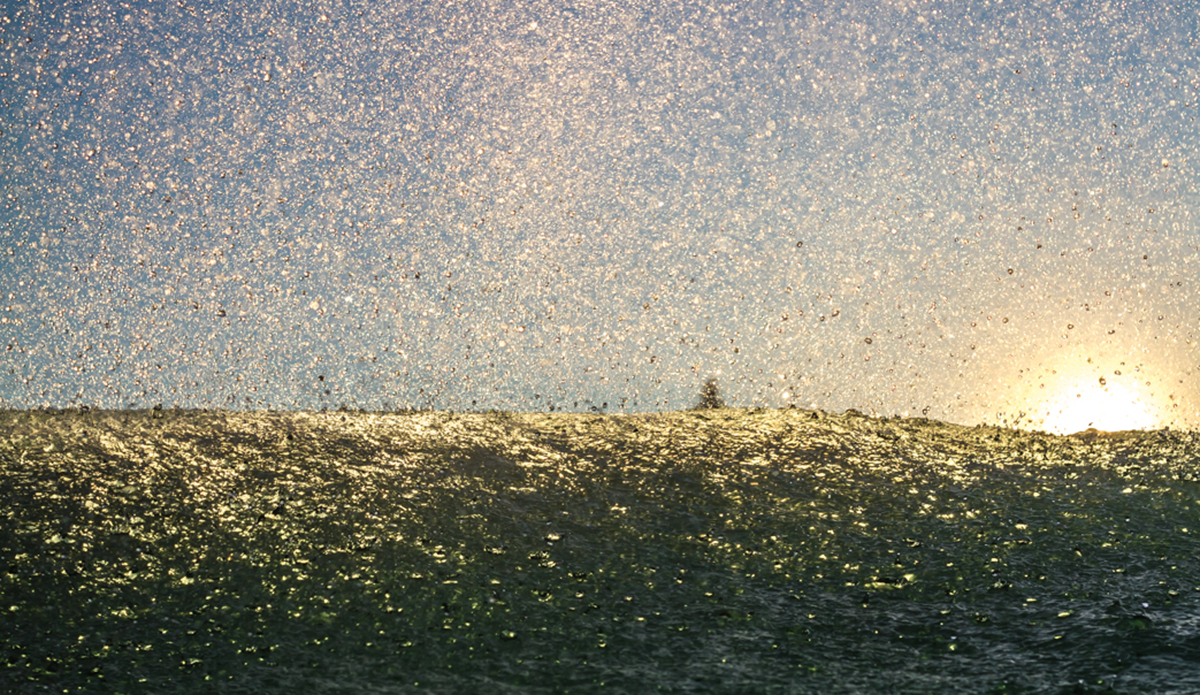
column 707, row 551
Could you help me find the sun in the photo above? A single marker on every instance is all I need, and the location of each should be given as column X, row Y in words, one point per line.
column 1109, row 406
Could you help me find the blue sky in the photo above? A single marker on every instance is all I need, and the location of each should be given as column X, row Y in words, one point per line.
column 915, row 207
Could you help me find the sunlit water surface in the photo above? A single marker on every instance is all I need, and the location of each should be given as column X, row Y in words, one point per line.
column 707, row 551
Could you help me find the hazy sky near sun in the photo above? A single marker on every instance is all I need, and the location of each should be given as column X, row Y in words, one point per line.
column 965, row 210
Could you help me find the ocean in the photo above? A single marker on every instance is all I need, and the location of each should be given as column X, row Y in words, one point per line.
column 723, row 551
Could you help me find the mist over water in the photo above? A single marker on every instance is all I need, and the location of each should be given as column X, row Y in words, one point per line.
column 428, row 229
column 967, row 213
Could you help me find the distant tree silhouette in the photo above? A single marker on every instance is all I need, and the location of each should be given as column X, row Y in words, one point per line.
column 710, row 396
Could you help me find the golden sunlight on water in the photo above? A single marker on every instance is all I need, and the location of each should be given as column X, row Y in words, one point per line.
column 714, row 550
column 1105, row 405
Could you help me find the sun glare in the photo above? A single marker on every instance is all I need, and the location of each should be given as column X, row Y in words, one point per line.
column 1105, row 406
